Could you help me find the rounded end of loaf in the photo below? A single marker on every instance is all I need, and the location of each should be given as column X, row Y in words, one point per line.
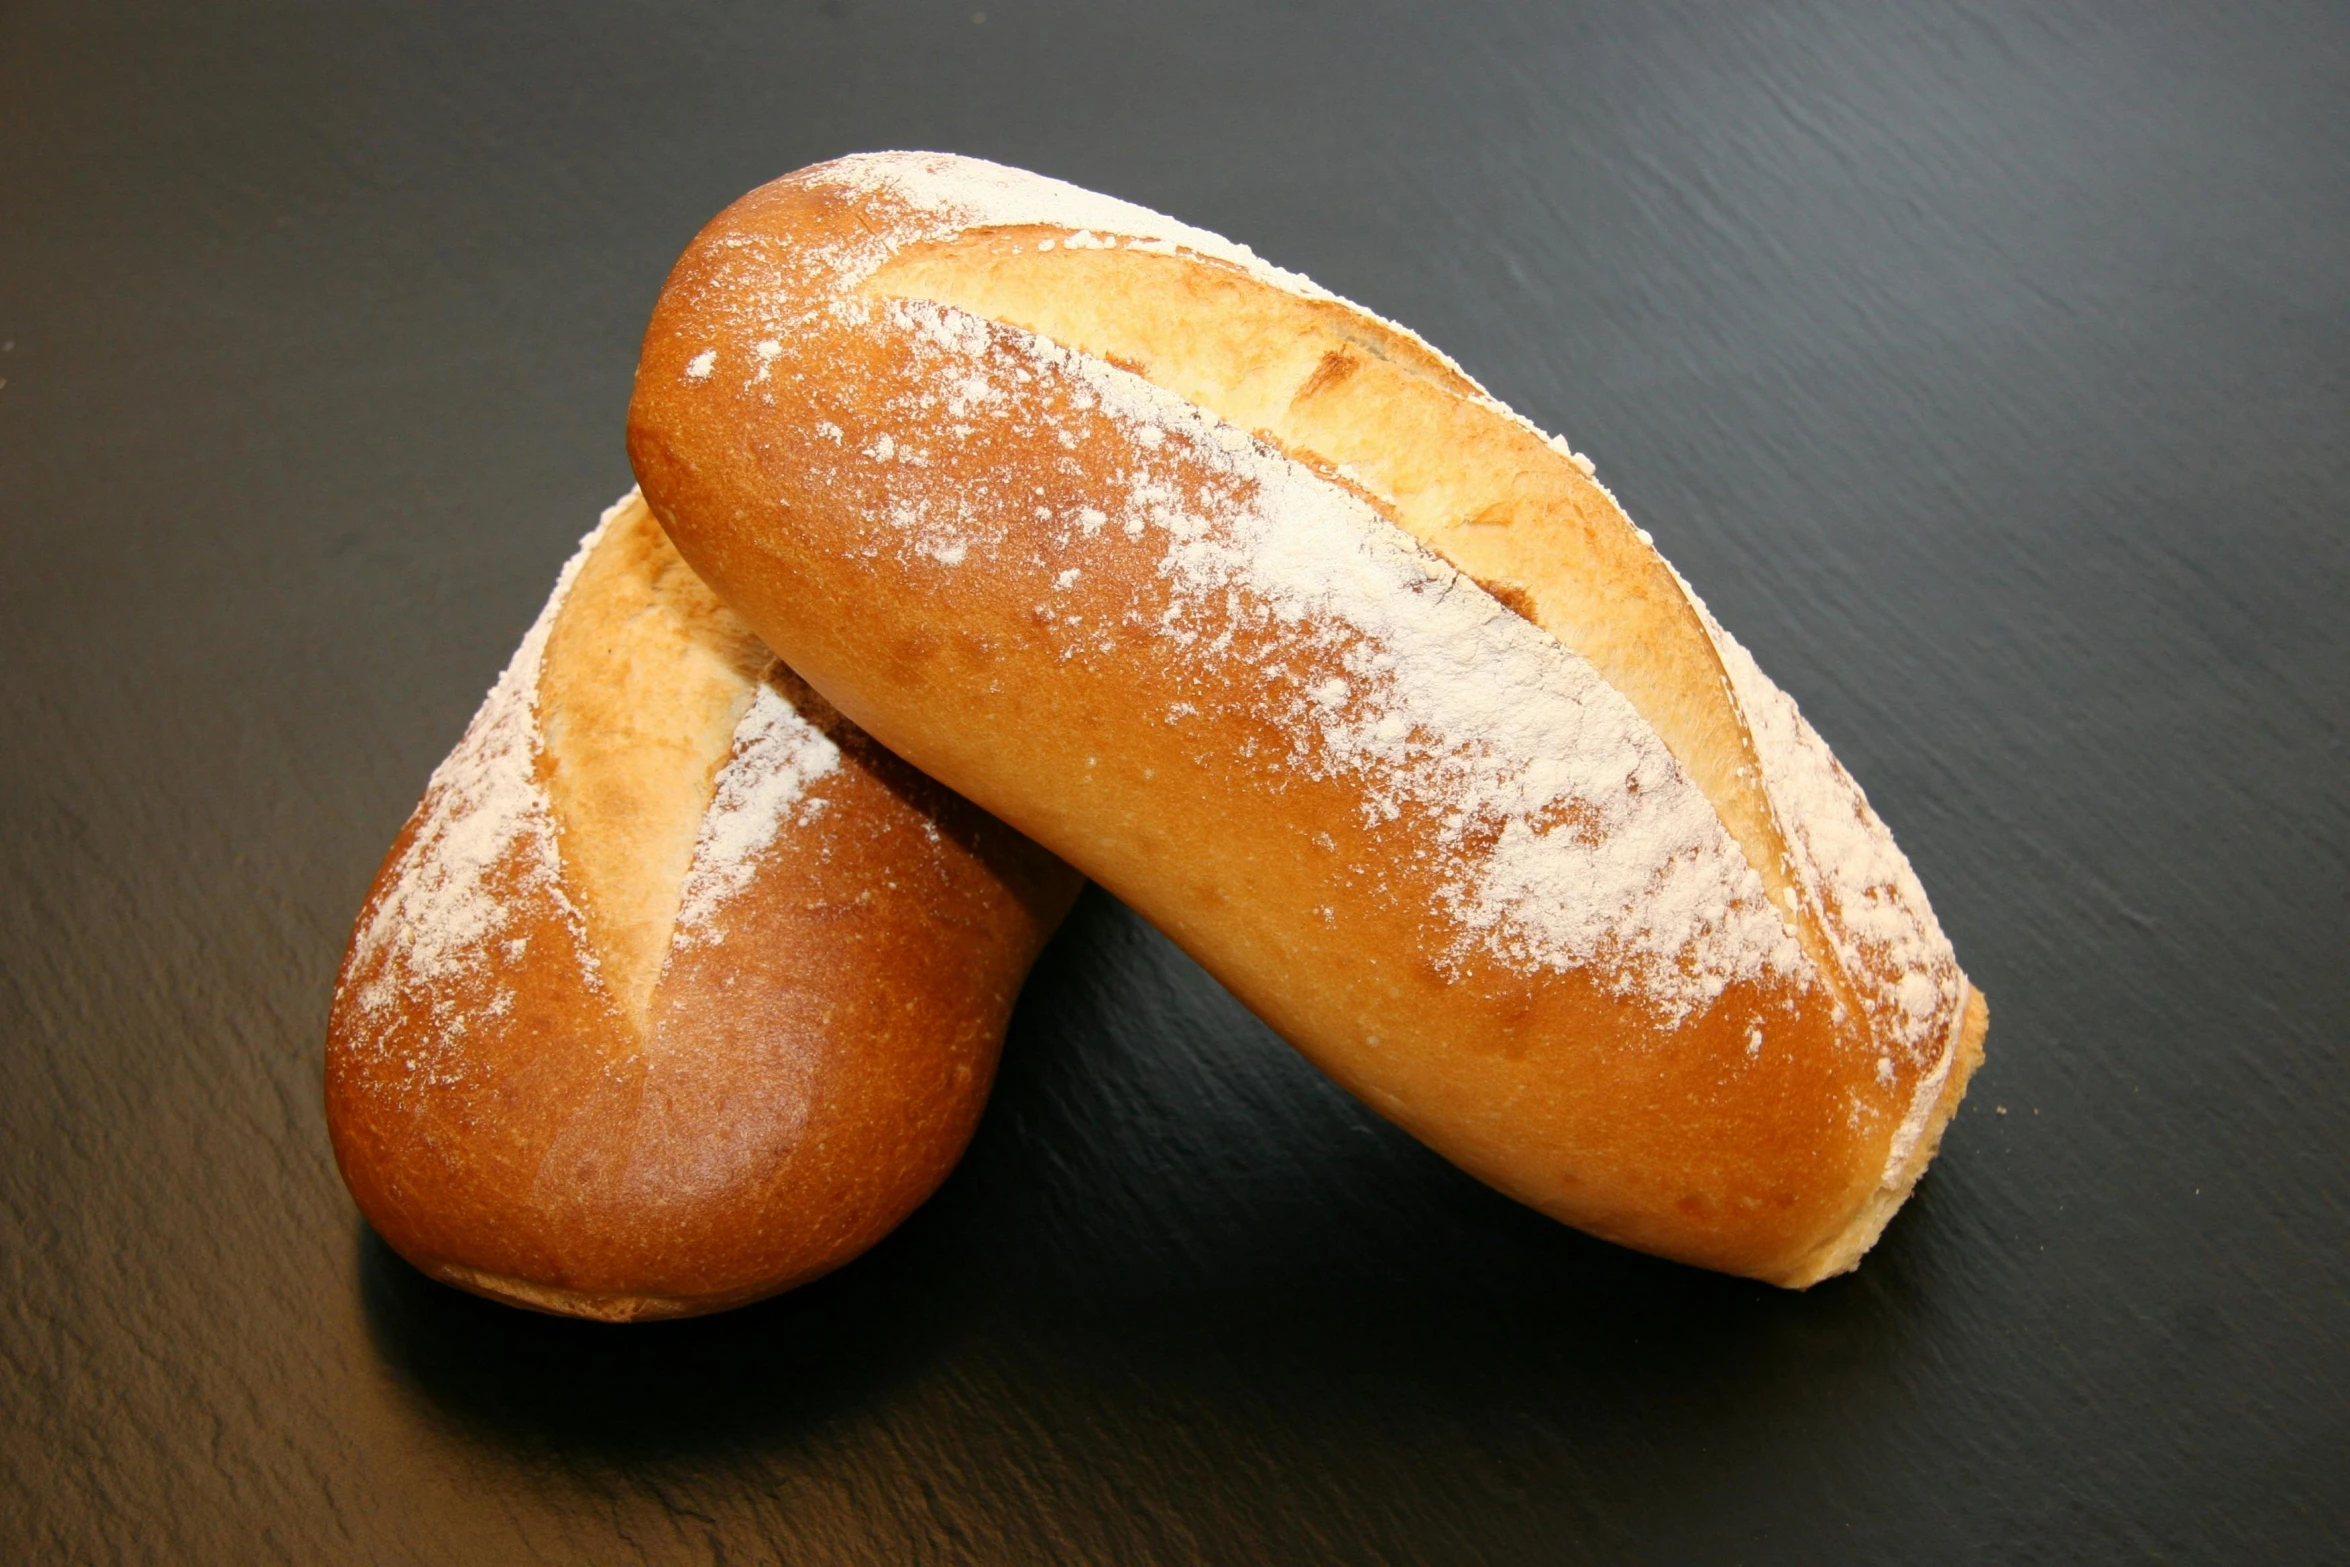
column 1842, row 1252
column 675, row 992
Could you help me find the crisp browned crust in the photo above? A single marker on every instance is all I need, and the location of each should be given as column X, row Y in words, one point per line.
column 547, row 1087
column 1221, row 588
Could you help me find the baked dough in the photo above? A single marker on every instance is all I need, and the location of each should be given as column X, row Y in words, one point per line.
column 676, row 990
column 1259, row 611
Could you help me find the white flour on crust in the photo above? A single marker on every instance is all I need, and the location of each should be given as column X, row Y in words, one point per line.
column 483, row 810
column 776, row 755
column 1560, row 830
column 1873, row 908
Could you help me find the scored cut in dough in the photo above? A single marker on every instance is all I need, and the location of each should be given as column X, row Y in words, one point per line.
column 646, row 676
column 1379, row 410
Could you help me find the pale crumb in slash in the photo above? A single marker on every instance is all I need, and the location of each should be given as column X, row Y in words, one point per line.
column 699, row 367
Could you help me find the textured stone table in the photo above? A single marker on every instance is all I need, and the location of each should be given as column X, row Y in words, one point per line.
column 1987, row 368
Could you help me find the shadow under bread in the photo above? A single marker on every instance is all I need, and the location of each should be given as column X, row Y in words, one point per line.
column 1162, row 1195
column 759, row 1376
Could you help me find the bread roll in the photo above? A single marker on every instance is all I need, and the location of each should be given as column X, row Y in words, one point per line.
column 676, row 990
column 1256, row 609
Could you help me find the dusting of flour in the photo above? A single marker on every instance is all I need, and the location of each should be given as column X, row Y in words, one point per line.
column 951, row 195
column 1873, row 907
column 486, row 838
column 1876, row 911
column 484, row 810
column 776, row 755
column 1561, row 831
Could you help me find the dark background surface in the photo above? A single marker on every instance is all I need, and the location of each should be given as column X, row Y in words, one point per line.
column 1986, row 367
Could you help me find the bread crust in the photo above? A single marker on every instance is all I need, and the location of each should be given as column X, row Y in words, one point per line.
column 1340, row 672
column 676, row 991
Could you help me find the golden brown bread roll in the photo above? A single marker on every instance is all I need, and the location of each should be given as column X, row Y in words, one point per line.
column 1259, row 611
column 676, row 990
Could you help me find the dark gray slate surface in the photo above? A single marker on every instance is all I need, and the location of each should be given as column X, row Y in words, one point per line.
column 1987, row 367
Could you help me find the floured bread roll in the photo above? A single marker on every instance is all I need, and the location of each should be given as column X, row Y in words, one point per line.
column 1258, row 610
column 677, row 990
